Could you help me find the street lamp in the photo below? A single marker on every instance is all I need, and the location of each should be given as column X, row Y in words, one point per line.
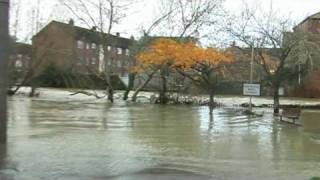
column 4, row 48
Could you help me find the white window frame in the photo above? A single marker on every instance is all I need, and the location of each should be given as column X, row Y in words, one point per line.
column 119, row 51
column 80, row 44
column 119, row 64
column 93, row 45
column 18, row 63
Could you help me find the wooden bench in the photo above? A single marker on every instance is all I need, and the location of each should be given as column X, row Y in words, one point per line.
column 290, row 113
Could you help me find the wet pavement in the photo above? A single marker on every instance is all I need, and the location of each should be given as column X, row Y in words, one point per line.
column 57, row 136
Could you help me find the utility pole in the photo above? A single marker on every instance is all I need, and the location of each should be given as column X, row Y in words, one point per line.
column 251, row 74
column 299, row 78
column 4, row 55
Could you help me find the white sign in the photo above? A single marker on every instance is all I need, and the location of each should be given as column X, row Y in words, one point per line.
column 281, row 91
column 251, row 89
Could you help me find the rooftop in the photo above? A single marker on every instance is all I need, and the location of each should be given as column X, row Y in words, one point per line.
column 313, row 17
column 91, row 34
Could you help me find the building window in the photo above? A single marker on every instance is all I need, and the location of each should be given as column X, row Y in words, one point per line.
column 119, row 50
column 127, row 52
column 19, row 64
column 93, row 61
column 93, row 46
column 88, row 45
column 80, row 44
column 119, row 63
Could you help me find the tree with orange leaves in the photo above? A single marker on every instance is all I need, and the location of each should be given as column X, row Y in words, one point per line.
column 201, row 65
column 160, row 56
column 205, row 66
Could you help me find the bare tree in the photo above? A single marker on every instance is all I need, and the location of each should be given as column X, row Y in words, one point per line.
column 35, row 21
column 15, row 14
column 264, row 31
column 190, row 18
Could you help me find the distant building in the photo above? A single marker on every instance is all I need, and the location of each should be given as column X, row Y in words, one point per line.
column 311, row 24
column 19, row 61
column 306, row 60
column 308, row 51
column 79, row 50
column 20, row 56
column 238, row 71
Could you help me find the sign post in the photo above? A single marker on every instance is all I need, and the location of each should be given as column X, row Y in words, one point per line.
column 251, row 90
column 251, row 74
column 4, row 48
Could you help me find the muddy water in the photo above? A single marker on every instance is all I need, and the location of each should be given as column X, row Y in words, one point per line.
column 61, row 137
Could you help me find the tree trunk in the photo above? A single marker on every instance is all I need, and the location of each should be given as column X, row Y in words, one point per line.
column 134, row 97
column 276, row 101
column 32, row 92
column 163, row 99
column 107, row 71
column 110, row 94
column 132, row 77
column 109, row 88
column 211, row 102
column 33, row 89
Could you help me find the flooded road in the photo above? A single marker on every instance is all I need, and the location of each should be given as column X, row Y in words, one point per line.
column 57, row 136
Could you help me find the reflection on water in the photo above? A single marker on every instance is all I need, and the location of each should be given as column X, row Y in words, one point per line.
column 56, row 136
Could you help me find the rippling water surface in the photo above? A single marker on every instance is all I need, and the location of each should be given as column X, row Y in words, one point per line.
column 58, row 136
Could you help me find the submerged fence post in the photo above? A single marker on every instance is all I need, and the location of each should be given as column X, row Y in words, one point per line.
column 4, row 56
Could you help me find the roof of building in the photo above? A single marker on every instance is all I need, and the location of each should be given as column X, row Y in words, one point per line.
column 21, row 48
column 92, row 35
column 275, row 52
column 314, row 16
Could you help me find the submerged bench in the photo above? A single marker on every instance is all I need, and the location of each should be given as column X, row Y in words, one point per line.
column 290, row 113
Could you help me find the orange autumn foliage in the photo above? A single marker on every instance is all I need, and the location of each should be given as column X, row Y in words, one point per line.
column 184, row 55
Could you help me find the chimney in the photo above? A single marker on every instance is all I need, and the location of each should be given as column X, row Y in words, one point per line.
column 234, row 44
column 71, row 22
column 118, row 34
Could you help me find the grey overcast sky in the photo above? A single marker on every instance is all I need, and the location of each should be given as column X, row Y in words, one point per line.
column 297, row 9
column 143, row 12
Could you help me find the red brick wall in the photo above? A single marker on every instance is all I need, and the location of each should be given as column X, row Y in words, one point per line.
column 310, row 87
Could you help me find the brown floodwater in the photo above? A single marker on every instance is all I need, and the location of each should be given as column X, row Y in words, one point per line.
column 57, row 136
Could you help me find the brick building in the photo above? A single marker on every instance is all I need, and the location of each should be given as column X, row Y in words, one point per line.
column 238, row 72
column 307, row 61
column 310, row 24
column 308, row 51
column 79, row 50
